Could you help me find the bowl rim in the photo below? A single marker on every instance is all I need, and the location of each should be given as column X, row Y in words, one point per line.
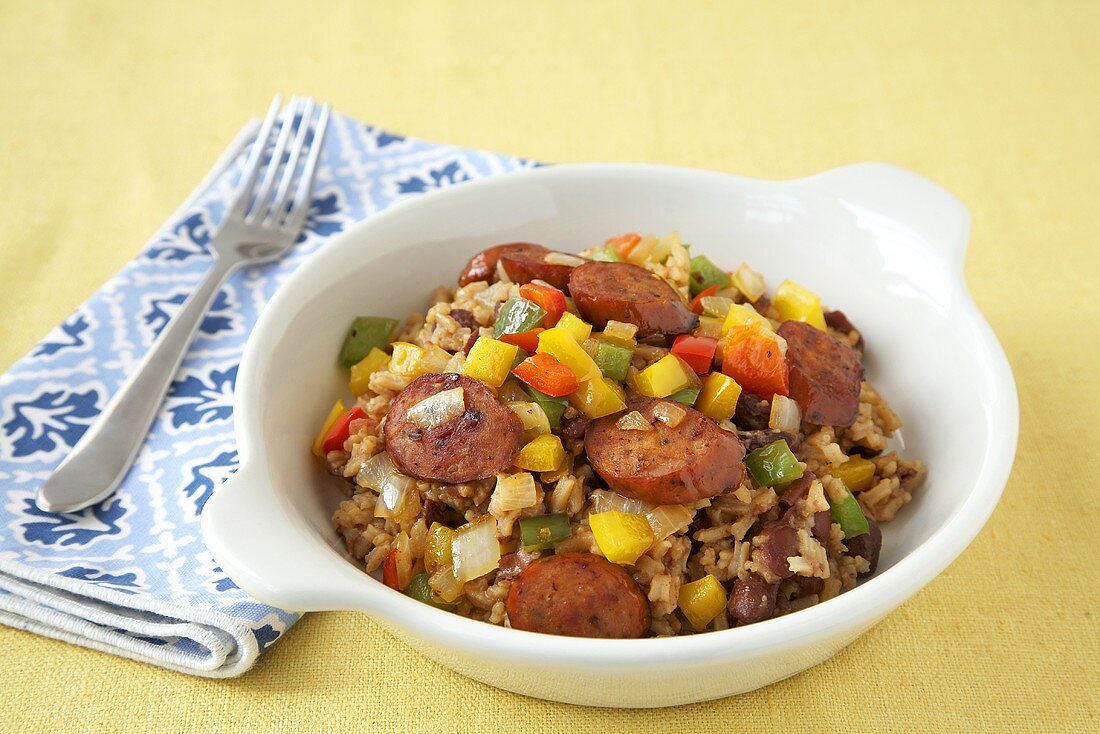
column 859, row 607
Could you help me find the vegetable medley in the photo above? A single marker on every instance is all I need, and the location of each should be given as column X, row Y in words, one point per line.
column 628, row 442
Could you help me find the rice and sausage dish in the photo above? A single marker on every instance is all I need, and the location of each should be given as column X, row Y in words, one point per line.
column 628, row 442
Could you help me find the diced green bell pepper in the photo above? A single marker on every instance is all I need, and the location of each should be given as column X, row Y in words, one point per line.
column 542, row 532
column 849, row 515
column 607, row 255
column 553, row 407
column 704, row 274
column 773, row 464
column 687, row 395
column 516, row 316
column 613, row 359
column 419, row 589
column 365, row 334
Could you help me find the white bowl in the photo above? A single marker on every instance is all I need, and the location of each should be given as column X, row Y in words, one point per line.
column 883, row 244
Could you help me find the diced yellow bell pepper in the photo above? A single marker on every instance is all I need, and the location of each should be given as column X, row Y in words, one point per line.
column 437, row 549
column 718, row 398
column 545, row 453
column 561, row 345
column 412, row 361
column 577, row 328
column 795, row 303
column 359, row 382
column 664, row 377
column 857, row 473
column 337, row 411
column 622, row 536
column 490, row 361
column 742, row 315
column 701, row 601
column 621, row 333
column 598, row 397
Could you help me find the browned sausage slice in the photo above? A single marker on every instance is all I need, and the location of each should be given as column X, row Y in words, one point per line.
column 625, row 292
column 824, row 375
column 666, row 465
column 580, row 595
column 481, row 442
column 483, row 266
column 523, row 267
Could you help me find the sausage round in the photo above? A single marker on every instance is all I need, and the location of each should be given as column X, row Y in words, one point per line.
column 523, row 266
column 625, row 292
column 665, row 465
column 580, row 595
column 824, row 375
column 481, row 442
column 483, row 266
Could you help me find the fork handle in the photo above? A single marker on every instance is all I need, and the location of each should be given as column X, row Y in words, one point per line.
column 103, row 456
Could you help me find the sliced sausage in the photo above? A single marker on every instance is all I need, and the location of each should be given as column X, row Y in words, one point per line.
column 480, row 442
column 625, row 292
column 868, row 545
column 525, row 266
column 580, row 595
column 838, row 321
column 483, row 266
column 666, row 465
column 752, row 599
column 824, row 375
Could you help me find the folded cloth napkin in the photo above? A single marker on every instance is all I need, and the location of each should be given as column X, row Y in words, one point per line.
column 131, row 576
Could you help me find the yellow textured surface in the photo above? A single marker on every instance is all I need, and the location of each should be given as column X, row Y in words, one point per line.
column 113, row 111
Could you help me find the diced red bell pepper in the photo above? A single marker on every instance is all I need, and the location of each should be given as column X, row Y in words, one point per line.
column 623, row 244
column 752, row 357
column 547, row 375
column 697, row 302
column 341, row 429
column 546, row 297
column 528, row 341
column 697, row 351
column 389, row 571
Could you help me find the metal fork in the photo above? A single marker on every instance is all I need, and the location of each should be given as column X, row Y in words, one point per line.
column 264, row 220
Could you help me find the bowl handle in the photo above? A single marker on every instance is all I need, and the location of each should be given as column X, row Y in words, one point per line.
column 931, row 212
column 259, row 547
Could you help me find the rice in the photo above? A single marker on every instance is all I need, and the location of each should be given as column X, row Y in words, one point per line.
column 724, row 538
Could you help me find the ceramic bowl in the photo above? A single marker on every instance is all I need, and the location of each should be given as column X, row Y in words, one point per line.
column 879, row 242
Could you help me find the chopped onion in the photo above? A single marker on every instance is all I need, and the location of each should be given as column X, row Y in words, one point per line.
column 445, row 585
column 634, row 421
column 393, row 487
column 439, row 409
column 403, row 559
column 604, row 500
column 667, row 520
column 560, row 258
column 591, row 346
column 511, row 392
column 513, row 492
column 475, row 550
column 717, row 306
column 669, row 413
column 534, row 418
column 785, row 415
column 620, row 332
column 749, row 282
column 502, row 274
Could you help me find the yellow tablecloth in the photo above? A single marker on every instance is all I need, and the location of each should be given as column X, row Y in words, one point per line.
column 111, row 113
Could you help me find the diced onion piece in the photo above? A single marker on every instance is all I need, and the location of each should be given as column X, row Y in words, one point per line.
column 437, row 549
column 666, row 520
column 592, row 346
column 512, row 392
column 534, row 418
column 394, row 488
column 717, row 306
column 669, row 413
column 513, row 492
column 403, row 559
column 438, row 409
column 709, row 326
column 560, row 258
column 604, row 500
column 634, row 421
column 475, row 550
column 445, row 585
column 785, row 415
column 620, row 332
column 749, row 282
column 502, row 274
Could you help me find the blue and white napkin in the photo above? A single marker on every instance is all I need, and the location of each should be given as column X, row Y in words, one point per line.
column 132, row 576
